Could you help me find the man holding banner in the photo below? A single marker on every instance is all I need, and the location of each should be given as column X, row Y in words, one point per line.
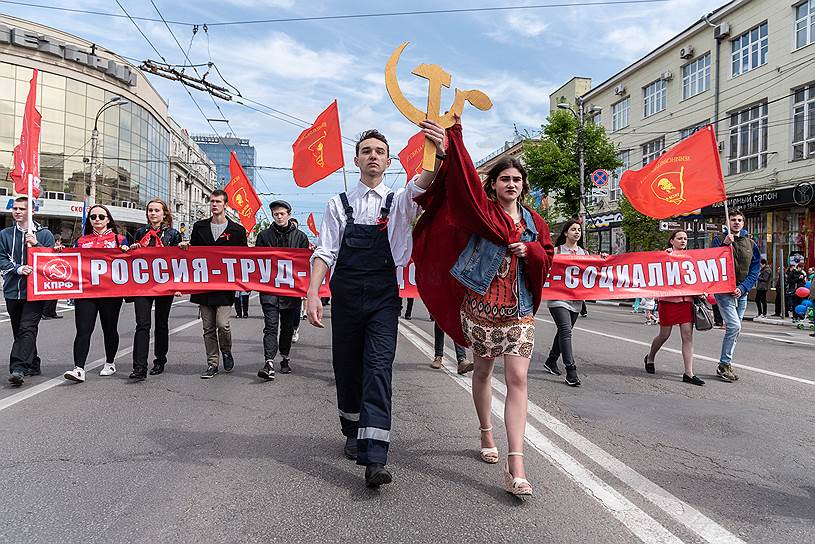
column 24, row 314
column 365, row 235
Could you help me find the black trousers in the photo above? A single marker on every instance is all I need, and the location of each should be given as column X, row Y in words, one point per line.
column 562, row 344
column 438, row 344
column 143, row 307
column 242, row 305
column 717, row 315
column 275, row 319
column 761, row 301
column 409, row 311
column 25, row 320
column 49, row 308
column 85, row 312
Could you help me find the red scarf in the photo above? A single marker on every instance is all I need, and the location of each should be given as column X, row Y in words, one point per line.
column 105, row 239
column 151, row 235
column 456, row 206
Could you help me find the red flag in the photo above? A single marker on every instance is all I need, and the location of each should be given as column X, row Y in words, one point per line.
column 242, row 196
column 27, row 152
column 411, row 156
column 318, row 149
column 686, row 178
column 312, row 226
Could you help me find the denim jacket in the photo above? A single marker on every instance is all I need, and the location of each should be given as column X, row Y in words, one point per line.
column 478, row 264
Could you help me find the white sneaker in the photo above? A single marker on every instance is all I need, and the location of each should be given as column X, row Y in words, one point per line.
column 296, row 336
column 108, row 370
column 75, row 375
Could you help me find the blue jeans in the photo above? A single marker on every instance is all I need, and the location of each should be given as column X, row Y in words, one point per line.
column 732, row 310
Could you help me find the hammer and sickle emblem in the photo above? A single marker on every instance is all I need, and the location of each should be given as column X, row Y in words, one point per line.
column 436, row 77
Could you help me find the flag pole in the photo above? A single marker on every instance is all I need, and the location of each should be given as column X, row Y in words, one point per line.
column 30, row 203
column 344, row 177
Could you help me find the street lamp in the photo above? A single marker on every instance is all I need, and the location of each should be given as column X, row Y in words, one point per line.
column 580, row 115
column 115, row 101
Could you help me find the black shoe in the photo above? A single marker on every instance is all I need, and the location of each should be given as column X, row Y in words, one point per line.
column 245, row 315
column 649, row 367
column 157, row 369
column 551, row 368
column 211, row 372
column 692, row 379
column 408, row 317
column 138, row 375
column 267, row 372
column 350, row 449
column 284, row 367
column 571, row 376
column 32, row 371
column 16, row 377
column 229, row 362
column 376, row 475
column 46, row 317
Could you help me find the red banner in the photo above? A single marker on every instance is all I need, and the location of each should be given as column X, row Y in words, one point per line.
column 242, row 196
column 649, row 274
column 27, row 152
column 84, row 273
column 406, row 278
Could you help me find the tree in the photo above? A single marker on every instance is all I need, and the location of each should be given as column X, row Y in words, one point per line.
column 642, row 231
column 552, row 162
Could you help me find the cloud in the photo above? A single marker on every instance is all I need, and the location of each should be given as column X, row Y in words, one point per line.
column 527, row 25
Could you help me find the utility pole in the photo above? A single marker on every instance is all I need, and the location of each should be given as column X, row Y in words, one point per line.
column 581, row 159
column 115, row 101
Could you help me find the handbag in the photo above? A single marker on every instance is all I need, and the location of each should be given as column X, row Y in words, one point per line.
column 702, row 315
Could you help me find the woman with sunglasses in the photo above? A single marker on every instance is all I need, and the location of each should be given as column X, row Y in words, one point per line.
column 158, row 232
column 100, row 231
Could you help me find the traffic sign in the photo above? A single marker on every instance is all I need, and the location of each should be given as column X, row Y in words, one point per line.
column 599, row 192
column 600, row 178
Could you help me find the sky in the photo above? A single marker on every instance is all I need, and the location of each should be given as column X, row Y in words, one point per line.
column 517, row 57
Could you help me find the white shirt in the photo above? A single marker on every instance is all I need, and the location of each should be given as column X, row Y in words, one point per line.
column 367, row 204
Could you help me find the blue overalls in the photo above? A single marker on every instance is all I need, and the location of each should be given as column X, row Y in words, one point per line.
column 364, row 321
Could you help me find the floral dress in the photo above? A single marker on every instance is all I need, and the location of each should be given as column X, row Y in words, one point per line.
column 492, row 323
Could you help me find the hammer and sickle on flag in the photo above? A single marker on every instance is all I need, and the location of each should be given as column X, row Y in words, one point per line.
column 242, row 196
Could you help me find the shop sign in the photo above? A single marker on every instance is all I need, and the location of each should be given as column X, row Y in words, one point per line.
column 802, row 194
column 604, row 221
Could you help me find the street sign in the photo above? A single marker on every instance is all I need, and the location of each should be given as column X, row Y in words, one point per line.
column 600, row 178
column 599, row 192
column 669, row 225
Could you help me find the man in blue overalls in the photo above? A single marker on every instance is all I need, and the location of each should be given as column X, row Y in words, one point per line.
column 365, row 235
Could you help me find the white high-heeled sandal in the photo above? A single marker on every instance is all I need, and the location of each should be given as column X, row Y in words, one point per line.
column 520, row 487
column 489, row 455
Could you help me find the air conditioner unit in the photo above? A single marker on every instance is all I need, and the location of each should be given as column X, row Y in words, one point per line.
column 619, row 89
column 686, row 52
column 721, row 146
column 667, row 75
column 3, row 191
column 722, row 31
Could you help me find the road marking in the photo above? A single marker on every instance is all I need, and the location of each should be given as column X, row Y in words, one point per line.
column 27, row 393
column 695, row 356
column 643, row 526
column 670, row 504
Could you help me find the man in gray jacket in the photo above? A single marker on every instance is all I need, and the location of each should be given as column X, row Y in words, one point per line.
column 25, row 315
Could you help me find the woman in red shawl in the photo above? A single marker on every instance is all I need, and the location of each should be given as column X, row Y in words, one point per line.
column 481, row 260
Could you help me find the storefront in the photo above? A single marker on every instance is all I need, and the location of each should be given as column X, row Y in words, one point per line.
column 781, row 220
column 604, row 233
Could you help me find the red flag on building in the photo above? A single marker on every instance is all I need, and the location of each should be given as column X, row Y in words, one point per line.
column 411, row 156
column 687, row 177
column 27, row 152
column 242, row 196
column 318, row 149
column 312, row 226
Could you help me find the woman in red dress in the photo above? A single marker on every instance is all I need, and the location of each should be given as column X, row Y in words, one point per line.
column 676, row 311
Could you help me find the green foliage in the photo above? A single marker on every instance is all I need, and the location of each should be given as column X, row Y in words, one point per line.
column 642, row 231
column 553, row 164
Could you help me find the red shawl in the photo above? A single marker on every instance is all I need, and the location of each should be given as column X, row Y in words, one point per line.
column 456, row 206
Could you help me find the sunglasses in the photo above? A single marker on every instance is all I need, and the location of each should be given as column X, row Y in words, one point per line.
column 97, row 217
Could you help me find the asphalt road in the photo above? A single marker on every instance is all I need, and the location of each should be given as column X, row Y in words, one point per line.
column 628, row 457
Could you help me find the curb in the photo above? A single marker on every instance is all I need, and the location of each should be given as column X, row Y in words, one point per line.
column 768, row 321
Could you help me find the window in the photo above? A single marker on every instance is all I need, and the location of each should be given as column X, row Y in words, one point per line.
column 805, row 24
column 654, row 97
column 685, row 132
column 750, row 50
column 803, row 123
column 748, row 139
column 625, row 158
column 696, row 76
column 596, row 119
column 653, row 149
column 619, row 114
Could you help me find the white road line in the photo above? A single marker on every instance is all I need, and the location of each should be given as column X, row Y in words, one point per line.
column 643, row 526
column 27, row 393
column 695, row 356
column 670, row 504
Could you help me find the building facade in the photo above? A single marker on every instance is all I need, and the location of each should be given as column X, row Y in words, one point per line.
column 748, row 68
column 219, row 148
column 76, row 80
column 192, row 178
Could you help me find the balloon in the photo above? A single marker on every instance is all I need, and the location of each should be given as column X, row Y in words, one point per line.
column 808, row 303
column 802, row 292
column 800, row 309
column 711, row 299
column 808, row 285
